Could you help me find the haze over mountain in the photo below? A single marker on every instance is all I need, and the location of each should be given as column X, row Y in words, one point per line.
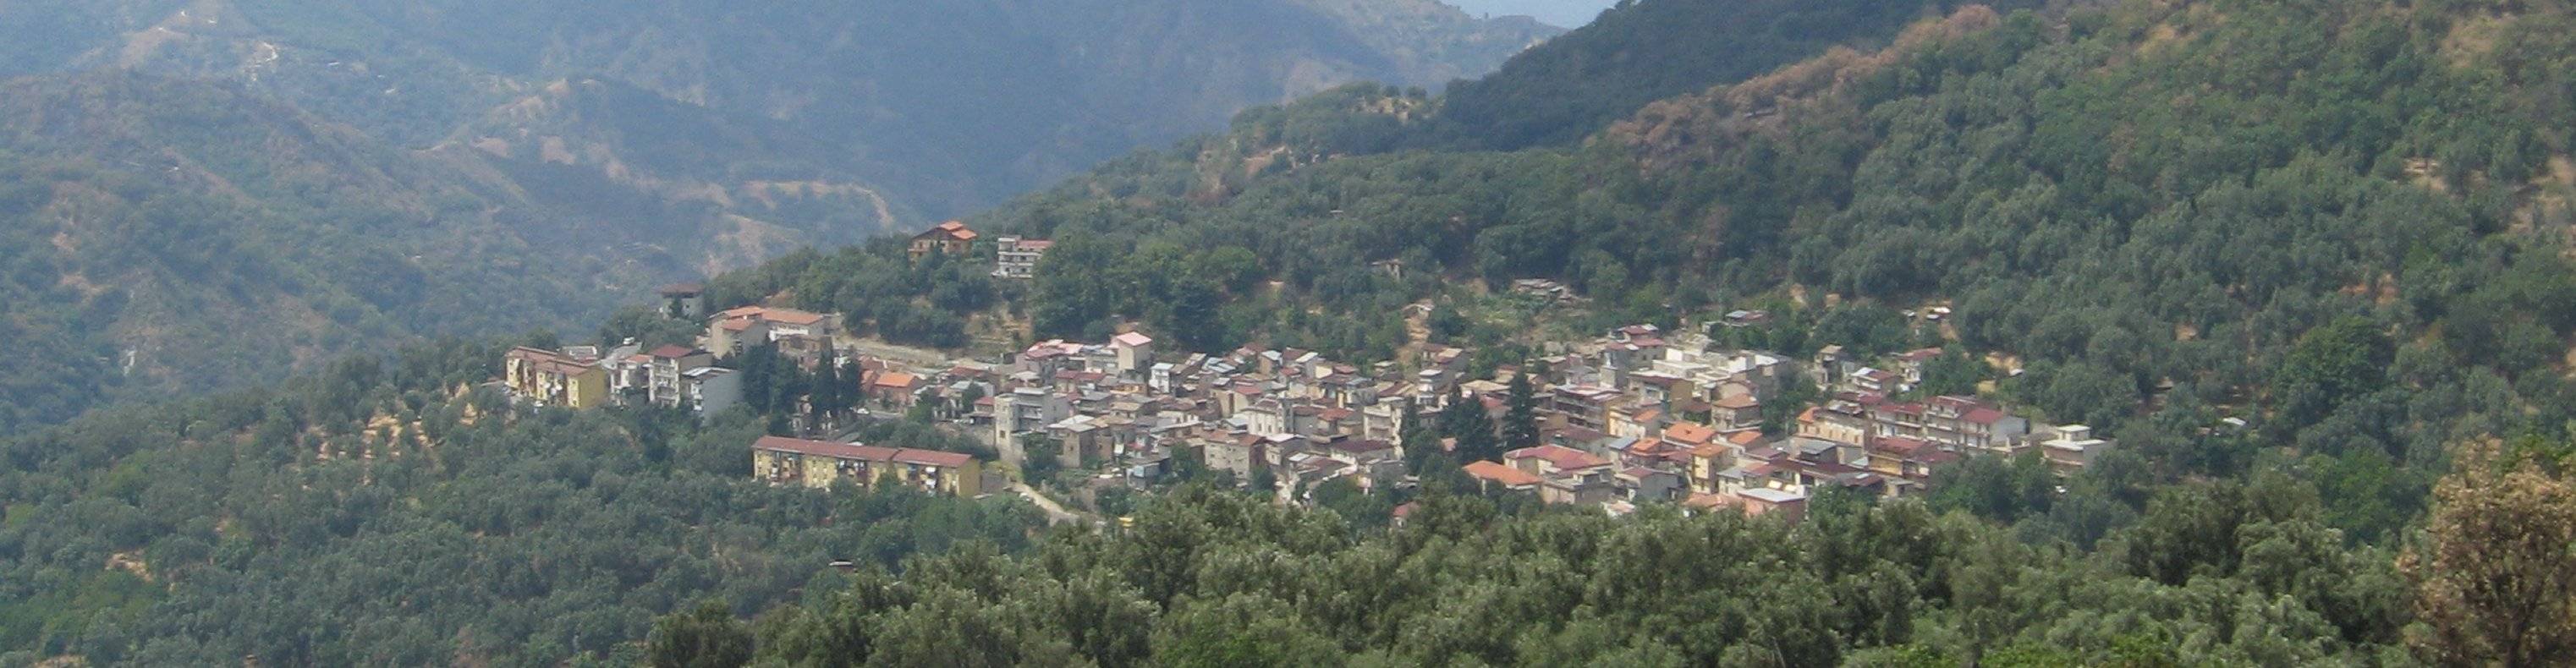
column 555, row 158
column 1560, row 13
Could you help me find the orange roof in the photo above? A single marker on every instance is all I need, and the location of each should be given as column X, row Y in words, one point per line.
column 894, row 379
column 792, row 316
column 1737, row 402
column 1707, row 501
column 1745, row 437
column 1690, row 433
column 955, row 230
column 747, row 314
column 1496, row 472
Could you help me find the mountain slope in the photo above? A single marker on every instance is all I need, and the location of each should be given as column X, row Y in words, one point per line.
column 191, row 237
column 385, row 170
column 2138, row 213
column 955, row 105
column 1639, row 52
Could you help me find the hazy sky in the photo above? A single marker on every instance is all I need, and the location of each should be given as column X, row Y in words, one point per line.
column 1564, row 13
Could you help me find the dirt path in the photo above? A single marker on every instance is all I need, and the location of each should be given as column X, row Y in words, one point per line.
column 1055, row 512
column 922, row 358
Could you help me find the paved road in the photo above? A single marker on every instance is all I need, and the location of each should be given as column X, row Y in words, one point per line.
column 1055, row 512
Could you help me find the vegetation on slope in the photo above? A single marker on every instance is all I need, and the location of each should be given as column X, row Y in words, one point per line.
column 955, row 105
column 378, row 515
column 2343, row 221
column 176, row 237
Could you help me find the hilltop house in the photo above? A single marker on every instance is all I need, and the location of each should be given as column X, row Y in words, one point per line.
column 949, row 238
column 684, row 301
column 733, row 330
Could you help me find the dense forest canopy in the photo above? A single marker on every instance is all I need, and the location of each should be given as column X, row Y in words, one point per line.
column 380, row 514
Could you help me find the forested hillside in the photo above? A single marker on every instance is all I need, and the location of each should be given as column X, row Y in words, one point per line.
column 2344, row 223
column 353, row 173
column 947, row 107
column 1639, row 52
column 172, row 237
column 2128, row 201
column 2306, row 261
column 381, row 514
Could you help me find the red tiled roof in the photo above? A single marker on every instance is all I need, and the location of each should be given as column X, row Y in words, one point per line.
column 1983, row 415
column 1707, row 501
column 1898, row 444
column 858, row 452
column 792, row 316
column 933, row 458
column 672, row 352
column 1496, row 472
column 1690, row 433
column 824, row 448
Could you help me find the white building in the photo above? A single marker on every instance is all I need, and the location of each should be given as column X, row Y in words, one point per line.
column 1018, row 258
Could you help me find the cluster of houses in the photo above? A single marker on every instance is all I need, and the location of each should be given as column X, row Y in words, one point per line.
column 671, row 376
column 1013, row 257
column 1626, row 419
column 1632, row 417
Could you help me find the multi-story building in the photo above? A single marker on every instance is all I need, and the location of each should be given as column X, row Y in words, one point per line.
column 709, row 390
column 729, row 332
column 551, row 378
column 665, row 366
column 1018, row 258
column 1026, row 410
column 1584, row 406
column 819, row 464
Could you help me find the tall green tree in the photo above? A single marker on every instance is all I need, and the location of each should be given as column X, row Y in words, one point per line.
column 1466, row 420
column 1520, row 417
column 707, row 637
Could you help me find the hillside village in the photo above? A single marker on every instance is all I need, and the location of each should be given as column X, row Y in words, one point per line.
column 1636, row 416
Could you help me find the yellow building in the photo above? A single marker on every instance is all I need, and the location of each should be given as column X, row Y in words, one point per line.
column 554, row 379
column 818, row 464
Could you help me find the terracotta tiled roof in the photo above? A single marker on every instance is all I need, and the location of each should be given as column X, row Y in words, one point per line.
column 1690, row 434
column 854, row 451
column 1496, row 472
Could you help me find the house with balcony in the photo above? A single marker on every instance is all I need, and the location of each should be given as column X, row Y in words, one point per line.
column 818, row 464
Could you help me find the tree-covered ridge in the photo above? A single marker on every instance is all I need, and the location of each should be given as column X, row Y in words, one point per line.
column 2033, row 171
column 954, row 106
column 179, row 237
column 382, row 514
column 1646, row 50
column 2217, row 574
